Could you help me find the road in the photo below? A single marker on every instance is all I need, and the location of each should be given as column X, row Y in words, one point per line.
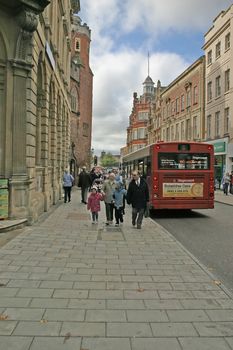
column 207, row 234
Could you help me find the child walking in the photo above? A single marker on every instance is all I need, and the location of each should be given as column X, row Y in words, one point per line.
column 118, row 196
column 93, row 204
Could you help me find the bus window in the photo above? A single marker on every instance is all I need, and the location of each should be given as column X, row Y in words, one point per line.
column 186, row 161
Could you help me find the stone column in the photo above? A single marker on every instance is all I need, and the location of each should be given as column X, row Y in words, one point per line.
column 27, row 21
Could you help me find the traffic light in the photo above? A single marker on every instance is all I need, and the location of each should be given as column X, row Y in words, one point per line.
column 95, row 160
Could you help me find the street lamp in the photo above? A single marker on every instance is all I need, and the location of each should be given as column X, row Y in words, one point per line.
column 91, row 157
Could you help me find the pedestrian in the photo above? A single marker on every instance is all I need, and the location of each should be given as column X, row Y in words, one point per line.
column 68, row 181
column 231, row 183
column 138, row 196
column 84, row 182
column 108, row 189
column 118, row 197
column 226, row 182
column 93, row 204
column 93, row 175
column 118, row 176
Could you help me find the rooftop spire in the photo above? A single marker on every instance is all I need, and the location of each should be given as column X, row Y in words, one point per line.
column 148, row 63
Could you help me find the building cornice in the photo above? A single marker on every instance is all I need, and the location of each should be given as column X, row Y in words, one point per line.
column 75, row 5
column 217, row 34
column 197, row 63
column 15, row 6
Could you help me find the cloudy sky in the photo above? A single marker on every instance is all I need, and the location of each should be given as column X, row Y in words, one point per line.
column 122, row 33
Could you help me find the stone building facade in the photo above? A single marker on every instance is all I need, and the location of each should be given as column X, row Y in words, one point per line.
column 218, row 49
column 35, row 49
column 81, row 96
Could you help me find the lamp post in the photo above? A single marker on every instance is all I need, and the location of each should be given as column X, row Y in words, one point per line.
column 92, row 157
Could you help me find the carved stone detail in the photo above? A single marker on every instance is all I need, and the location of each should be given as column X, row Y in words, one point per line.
column 28, row 20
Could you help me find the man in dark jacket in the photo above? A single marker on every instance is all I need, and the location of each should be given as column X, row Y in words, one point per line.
column 84, row 182
column 138, row 196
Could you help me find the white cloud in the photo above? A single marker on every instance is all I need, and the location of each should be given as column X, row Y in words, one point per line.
column 160, row 16
column 117, row 76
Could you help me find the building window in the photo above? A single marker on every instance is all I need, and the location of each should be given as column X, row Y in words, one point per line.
column 169, row 110
column 74, row 101
column 177, row 132
column 77, row 45
column 217, row 124
column 188, row 129
column 217, row 87
column 164, row 113
column 218, row 50
column 168, row 134
column 227, row 41
column 177, row 105
column 226, row 120
column 195, row 95
column 172, row 132
column 227, row 80
column 142, row 115
column 173, row 108
column 188, row 100
column 85, row 129
column 209, row 57
column 208, row 131
column 141, row 133
column 195, row 133
column 182, row 102
column 135, row 134
column 182, row 130
column 209, row 91
column 164, row 135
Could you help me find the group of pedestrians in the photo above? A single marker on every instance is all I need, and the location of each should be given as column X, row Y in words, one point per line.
column 114, row 194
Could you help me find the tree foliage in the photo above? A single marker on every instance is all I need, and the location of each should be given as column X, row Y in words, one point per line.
column 108, row 160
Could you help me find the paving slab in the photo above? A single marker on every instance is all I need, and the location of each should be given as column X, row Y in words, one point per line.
column 77, row 329
column 7, row 327
column 41, row 328
column 156, row 343
column 16, row 343
column 204, row 344
column 106, row 344
column 129, row 329
column 55, row 343
column 24, row 314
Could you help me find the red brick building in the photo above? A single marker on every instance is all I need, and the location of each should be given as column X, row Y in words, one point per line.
column 81, row 96
column 138, row 119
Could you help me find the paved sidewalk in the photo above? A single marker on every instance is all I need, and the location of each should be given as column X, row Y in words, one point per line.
column 220, row 197
column 68, row 284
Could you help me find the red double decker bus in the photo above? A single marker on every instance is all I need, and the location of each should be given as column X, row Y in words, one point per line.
column 180, row 175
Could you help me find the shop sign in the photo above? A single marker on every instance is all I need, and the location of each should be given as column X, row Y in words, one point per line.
column 219, row 147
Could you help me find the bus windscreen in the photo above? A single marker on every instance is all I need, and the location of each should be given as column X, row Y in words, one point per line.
column 185, row 161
